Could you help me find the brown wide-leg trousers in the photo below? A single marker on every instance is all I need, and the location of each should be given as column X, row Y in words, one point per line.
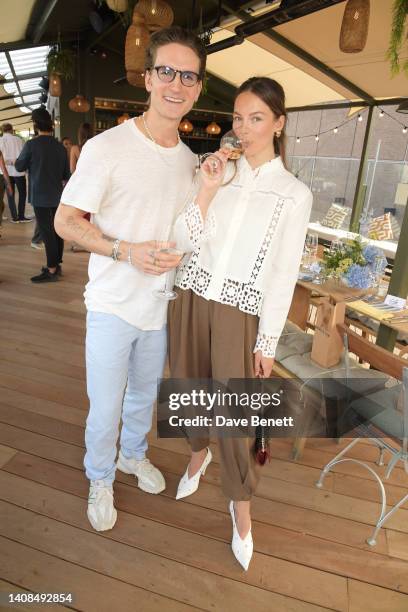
column 212, row 340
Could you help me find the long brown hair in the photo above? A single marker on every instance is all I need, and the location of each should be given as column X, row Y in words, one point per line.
column 85, row 132
column 272, row 93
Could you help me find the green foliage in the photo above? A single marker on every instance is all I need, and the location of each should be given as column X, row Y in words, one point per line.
column 61, row 61
column 339, row 262
column 397, row 38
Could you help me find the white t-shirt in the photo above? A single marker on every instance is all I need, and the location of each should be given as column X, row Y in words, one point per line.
column 134, row 189
column 11, row 147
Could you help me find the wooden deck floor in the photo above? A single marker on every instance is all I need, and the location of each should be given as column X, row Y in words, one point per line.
column 310, row 552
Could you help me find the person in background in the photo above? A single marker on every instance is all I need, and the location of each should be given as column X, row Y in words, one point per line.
column 85, row 132
column 67, row 143
column 11, row 146
column 46, row 160
column 4, row 184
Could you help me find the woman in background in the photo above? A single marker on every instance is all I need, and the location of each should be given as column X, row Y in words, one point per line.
column 85, row 132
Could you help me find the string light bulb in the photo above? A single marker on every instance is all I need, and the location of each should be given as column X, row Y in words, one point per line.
column 381, row 114
column 317, row 138
column 405, row 129
column 360, row 118
column 298, row 139
column 336, row 129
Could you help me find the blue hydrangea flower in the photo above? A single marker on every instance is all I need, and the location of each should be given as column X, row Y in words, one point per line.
column 315, row 267
column 359, row 276
column 375, row 258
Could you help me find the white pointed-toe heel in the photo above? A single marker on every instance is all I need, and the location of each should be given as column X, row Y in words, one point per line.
column 242, row 548
column 188, row 486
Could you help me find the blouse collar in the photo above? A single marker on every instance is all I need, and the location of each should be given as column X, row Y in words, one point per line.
column 272, row 166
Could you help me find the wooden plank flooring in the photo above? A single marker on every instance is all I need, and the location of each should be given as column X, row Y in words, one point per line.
column 310, row 551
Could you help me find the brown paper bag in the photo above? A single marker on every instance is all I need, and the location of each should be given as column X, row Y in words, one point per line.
column 327, row 342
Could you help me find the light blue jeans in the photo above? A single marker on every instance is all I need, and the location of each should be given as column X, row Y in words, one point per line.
column 123, row 366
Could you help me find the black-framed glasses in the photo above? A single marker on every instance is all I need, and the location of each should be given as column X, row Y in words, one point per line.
column 168, row 74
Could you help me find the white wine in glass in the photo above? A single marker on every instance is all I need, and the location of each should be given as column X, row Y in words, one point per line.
column 167, row 293
column 231, row 143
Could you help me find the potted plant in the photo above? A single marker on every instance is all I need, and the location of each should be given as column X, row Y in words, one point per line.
column 398, row 36
column 62, row 62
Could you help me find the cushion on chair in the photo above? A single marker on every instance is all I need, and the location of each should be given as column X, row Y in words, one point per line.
column 293, row 341
column 335, row 216
column 380, row 228
column 361, row 380
column 383, row 409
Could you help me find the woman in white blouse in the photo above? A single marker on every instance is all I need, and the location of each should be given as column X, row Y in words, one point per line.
column 243, row 235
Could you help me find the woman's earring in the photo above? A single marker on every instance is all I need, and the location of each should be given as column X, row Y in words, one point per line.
column 278, row 134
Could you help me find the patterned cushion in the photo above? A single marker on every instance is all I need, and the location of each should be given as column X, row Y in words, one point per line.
column 335, row 216
column 396, row 230
column 380, row 228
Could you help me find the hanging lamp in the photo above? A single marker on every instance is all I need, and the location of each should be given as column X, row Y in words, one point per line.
column 213, row 129
column 55, row 87
column 79, row 104
column 186, row 126
column 157, row 13
column 123, row 118
column 137, row 39
column 354, row 27
column 118, row 6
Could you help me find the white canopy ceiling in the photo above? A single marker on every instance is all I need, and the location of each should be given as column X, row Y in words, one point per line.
column 318, row 35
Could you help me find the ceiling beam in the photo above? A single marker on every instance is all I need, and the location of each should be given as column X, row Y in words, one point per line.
column 345, row 104
column 14, row 95
column 39, row 19
column 19, row 106
column 13, row 72
column 25, row 77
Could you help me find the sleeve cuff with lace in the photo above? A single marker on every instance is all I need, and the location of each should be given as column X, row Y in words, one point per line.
column 198, row 230
column 267, row 344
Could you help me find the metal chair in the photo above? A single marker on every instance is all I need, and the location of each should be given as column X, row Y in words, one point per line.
column 379, row 416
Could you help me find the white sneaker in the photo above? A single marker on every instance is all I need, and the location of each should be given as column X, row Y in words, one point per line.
column 188, row 486
column 37, row 245
column 149, row 478
column 242, row 548
column 101, row 511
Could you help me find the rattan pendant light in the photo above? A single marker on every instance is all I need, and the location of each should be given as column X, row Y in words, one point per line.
column 158, row 13
column 79, row 104
column 136, row 79
column 123, row 118
column 137, row 39
column 55, row 87
column 354, row 27
column 213, row 129
column 186, row 126
column 119, row 6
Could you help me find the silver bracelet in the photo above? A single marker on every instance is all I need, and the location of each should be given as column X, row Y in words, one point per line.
column 115, row 250
column 129, row 257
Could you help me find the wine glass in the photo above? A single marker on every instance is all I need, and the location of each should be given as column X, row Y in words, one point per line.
column 310, row 249
column 167, row 292
column 229, row 141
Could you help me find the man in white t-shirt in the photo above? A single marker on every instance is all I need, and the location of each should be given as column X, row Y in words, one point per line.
column 133, row 179
column 11, row 147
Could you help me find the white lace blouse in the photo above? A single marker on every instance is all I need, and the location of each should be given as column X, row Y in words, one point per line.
column 248, row 251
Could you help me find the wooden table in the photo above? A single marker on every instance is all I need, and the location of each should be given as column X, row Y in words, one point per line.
column 337, row 293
